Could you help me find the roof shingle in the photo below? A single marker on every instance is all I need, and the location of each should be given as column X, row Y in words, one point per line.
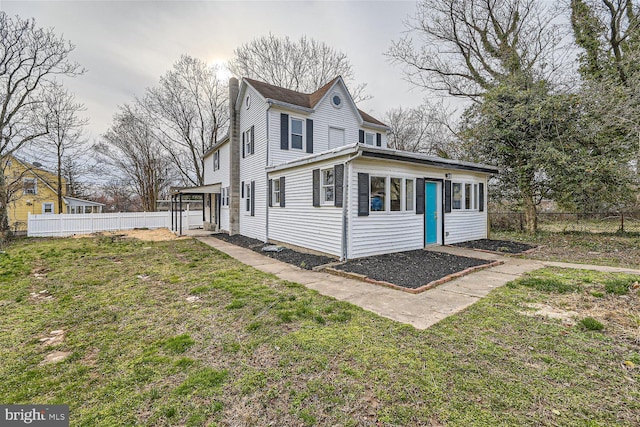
column 306, row 100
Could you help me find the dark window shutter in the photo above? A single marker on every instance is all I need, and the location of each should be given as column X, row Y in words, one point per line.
column 242, row 189
column 420, row 200
column 316, row 187
column 363, row 194
column 447, row 196
column 282, row 191
column 338, row 183
column 361, row 136
column 378, row 140
column 253, row 198
column 270, row 192
column 481, row 197
column 284, row 131
column 252, row 139
column 309, row 136
column 243, row 145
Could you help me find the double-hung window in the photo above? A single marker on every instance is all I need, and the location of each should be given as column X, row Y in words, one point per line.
column 409, row 194
column 216, row 160
column 369, row 138
column 475, row 196
column 248, row 138
column 247, row 193
column 395, row 194
column 378, row 193
column 275, row 192
column 327, row 186
column 296, row 133
column 467, row 196
column 456, row 199
column 29, row 186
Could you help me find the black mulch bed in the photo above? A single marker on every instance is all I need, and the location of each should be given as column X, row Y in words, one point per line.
column 299, row 259
column 504, row 246
column 411, row 269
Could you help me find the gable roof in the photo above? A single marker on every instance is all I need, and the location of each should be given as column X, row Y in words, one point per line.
column 304, row 100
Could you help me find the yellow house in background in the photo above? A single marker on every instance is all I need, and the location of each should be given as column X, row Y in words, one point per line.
column 32, row 190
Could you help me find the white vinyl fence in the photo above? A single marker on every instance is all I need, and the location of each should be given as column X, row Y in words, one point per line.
column 49, row 225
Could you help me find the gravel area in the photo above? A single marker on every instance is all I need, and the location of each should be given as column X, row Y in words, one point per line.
column 299, row 259
column 504, row 246
column 411, row 269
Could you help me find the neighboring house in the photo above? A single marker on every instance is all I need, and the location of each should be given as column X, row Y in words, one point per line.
column 33, row 191
column 314, row 171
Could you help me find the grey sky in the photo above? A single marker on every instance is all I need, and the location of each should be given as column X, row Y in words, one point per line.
column 126, row 46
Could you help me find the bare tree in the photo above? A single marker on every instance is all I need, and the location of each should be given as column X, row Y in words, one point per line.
column 189, row 112
column 29, row 58
column 426, row 128
column 131, row 148
column 304, row 65
column 65, row 128
column 465, row 47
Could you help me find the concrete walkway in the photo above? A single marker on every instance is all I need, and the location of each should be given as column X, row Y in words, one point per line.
column 421, row 310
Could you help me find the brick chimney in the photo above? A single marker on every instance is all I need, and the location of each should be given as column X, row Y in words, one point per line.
column 234, row 148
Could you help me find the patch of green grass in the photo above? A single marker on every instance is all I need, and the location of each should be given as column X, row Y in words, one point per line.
column 618, row 286
column 591, row 324
column 546, row 284
column 206, row 380
column 178, row 344
column 287, row 354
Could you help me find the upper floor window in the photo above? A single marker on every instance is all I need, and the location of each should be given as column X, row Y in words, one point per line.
column 369, row 138
column 248, row 142
column 327, row 186
column 336, row 100
column 216, row 160
column 296, row 133
column 29, row 186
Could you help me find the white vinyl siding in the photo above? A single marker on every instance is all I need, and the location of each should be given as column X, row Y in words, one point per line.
column 325, row 116
column 462, row 225
column 252, row 168
column 299, row 222
column 219, row 176
column 386, row 232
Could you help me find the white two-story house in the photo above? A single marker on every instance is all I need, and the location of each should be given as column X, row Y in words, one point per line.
column 314, row 171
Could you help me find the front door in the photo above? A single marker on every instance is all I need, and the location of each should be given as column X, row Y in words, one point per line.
column 431, row 213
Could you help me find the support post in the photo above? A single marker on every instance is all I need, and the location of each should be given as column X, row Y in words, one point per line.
column 181, row 213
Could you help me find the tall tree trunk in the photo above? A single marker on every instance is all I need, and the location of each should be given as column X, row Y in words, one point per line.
column 530, row 211
column 4, row 211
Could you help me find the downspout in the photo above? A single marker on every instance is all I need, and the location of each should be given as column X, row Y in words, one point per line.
column 345, row 202
column 269, row 103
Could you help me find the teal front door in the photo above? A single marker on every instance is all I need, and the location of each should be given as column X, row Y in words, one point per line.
column 431, row 213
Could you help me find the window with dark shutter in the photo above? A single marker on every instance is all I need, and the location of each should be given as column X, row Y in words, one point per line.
column 420, row 200
column 253, row 198
column 316, row 187
column 284, row 131
column 309, row 136
column 338, row 180
column 378, row 140
column 363, row 194
column 447, row 196
column 270, row 192
column 252, row 139
column 282, row 191
column 481, row 197
column 361, row 136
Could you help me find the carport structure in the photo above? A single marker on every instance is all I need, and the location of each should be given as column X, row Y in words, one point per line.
column 210, row 202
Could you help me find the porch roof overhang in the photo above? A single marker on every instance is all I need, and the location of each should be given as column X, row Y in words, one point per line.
column 389, row 155
column 211, row 188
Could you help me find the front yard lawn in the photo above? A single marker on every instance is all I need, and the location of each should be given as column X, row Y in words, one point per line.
column 176, row 333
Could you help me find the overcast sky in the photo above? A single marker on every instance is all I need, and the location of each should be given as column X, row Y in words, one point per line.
column 126, row 46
